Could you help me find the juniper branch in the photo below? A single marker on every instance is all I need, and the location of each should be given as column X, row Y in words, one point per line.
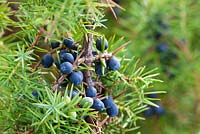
column 87, row 47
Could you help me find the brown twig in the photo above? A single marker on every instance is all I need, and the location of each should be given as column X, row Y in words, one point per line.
column 36, row 66
column 87, row 47
column 41, row 31
column 77, row 42
column 104, row 121
column 99, row 84
column 58, row 82
column 104, row 55
column 120, row 48
column 183, row 47
column 78, row 60
column 109, row 2
column 110, row 6
column 121, row 93
column 100, row 96
column 117, row 5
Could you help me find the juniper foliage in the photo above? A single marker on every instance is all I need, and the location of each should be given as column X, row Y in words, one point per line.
column 26, row 33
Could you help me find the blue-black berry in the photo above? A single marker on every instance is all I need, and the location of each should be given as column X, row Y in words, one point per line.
column 112, row 111
column 80, row 74
column 159, row 110
column 35, row 93
column 99, row 69
column 47, row 60
column 76, row 77
column 91, row 91
column 66, row 57
column 55, row 44
column 101, row 44
column 157, row 35
column 113, row 64
column 152, row 95
column 68, row 42
column 72, row 93
column 149, row 112
column 108, row 102
column 98, row 105
column 160, row 48
column 94, row 53
column 66, row 68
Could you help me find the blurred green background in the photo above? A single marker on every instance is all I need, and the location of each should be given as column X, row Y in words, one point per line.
column 165, row 34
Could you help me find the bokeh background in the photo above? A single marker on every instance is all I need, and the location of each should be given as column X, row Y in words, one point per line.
column 165, row 34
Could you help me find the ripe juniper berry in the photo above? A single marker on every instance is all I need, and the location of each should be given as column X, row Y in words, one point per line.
column 72, row 93
column 47, row 60
column 76, row 77
column 113, row 64
column 112, row 111
column 91, row 91
column 99, row 69
column 149, row 112
column 35, row 93
column 161, row 48
column 159, row 110
column 66, row 68
column 68, row 42
column 100, row 44
column 55, row 44
column 66, row 57
column 98, row 105
column 108, row 101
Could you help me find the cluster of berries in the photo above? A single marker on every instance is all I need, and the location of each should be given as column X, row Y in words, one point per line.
column 161, row 28
column 154, row 110
column 111, row 64
column 166, row 53
column 95, row 103
column 67, row 55
column 167, row 56
column 65, row 61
